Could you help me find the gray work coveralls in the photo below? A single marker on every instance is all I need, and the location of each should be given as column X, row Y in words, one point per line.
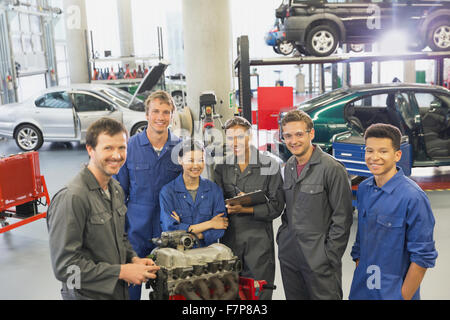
column 251, row 236
column 87, row 238
column 315, row 228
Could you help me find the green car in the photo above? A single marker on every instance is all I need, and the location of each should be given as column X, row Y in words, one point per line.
column 421, row 112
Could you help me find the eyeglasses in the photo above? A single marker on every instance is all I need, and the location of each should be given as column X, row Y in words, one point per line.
column 299, row 134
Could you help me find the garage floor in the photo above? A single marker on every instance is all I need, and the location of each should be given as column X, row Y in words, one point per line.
column 25, row 270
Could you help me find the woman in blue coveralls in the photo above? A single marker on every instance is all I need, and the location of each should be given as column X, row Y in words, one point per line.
column 192, row 203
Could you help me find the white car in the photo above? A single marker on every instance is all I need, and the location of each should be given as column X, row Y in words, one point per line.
column 64, row 113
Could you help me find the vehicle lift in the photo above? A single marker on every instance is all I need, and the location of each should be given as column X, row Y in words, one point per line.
column 21, row 189
column 243, row 63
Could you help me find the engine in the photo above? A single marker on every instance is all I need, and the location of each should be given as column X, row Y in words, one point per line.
column 210, row 273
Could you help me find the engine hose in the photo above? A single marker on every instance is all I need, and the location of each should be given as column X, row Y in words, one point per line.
column 201, row 286
column 233, row 290
column 187, row 290
column 219, row 288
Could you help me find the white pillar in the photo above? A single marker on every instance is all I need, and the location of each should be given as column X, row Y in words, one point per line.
column 126, row 37
column 409, row 71
column 76, row 28
column 208, row 53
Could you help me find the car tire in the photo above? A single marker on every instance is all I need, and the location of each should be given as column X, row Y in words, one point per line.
column 438, row 38
column 276, row 49
column 138, row 128
column 28, row 137
column 285, row 47
column 322, row 41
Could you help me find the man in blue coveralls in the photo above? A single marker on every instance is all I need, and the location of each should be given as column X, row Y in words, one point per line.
column 147, row 169
column 394, row 243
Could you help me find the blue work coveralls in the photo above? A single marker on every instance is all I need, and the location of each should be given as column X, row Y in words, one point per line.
column 395, row 228
column 142, row 177
column 208, row 203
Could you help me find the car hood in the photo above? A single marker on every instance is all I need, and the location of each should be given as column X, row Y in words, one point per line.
column 151, row 78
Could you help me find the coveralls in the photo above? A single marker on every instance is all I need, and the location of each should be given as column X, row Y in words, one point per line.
column 251, row 236
column 208, row 203
column 142, row 177
column 315, row 228
column 395, row 228
column 87, row 235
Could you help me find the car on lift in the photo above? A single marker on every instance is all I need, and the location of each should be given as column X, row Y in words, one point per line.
column 317, row 27
column 276, row 38
column 63, row 114
column 421, row 112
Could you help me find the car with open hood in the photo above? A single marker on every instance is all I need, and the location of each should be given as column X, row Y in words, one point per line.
column 63, row 114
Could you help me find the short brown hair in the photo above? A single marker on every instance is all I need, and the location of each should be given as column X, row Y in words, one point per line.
column 383, row 130
column 162, row 95
column 105, row 125
column 237, row 121
column 297, row 115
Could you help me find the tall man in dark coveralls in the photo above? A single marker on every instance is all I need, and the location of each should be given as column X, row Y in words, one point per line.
column 316, row 222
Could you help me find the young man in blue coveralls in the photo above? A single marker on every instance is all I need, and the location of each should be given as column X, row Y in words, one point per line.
column 394, row 243
column 147, row 169
column 192, row 203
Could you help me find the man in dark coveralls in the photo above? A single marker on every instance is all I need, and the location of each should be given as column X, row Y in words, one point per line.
column 90, row 252
column 250, row 232
column 316, row 222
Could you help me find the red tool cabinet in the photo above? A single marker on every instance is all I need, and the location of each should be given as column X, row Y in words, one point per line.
column 21, row 186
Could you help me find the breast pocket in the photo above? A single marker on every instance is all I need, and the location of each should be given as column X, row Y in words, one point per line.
column 388, row 244
column 142, row 174
column 98, row 229
column 185, row 215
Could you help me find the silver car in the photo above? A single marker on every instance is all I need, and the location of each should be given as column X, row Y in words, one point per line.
column 64, row 113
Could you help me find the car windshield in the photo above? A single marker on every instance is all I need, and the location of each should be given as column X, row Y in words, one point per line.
column 123, row 98
column 322, row 99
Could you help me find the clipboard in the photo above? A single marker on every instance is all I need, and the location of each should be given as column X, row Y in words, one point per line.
column 249, row 199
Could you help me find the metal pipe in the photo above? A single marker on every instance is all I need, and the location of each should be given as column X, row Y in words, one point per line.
column 233, row 288
column 218, row 286
column 187, row 290
column 202, row 287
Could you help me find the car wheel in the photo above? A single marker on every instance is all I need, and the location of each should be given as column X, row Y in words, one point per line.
column 276, row 49
column 439, row 36
column 28, row 137
column 138, row 128
column 178, row 99
column 285, row 47
column 322, row 41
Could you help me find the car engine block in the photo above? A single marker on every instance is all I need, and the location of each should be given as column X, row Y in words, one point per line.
column 210, row 273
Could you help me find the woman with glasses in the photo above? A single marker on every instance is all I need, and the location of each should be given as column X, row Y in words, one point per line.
column 250, row 231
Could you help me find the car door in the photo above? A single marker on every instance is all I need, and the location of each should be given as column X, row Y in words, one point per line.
column 55, row 114
column 91, row 107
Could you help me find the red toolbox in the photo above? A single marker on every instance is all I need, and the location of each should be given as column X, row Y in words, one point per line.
column 21, row 189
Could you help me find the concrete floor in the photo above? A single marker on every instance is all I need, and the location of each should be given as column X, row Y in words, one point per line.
column 24, row 252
